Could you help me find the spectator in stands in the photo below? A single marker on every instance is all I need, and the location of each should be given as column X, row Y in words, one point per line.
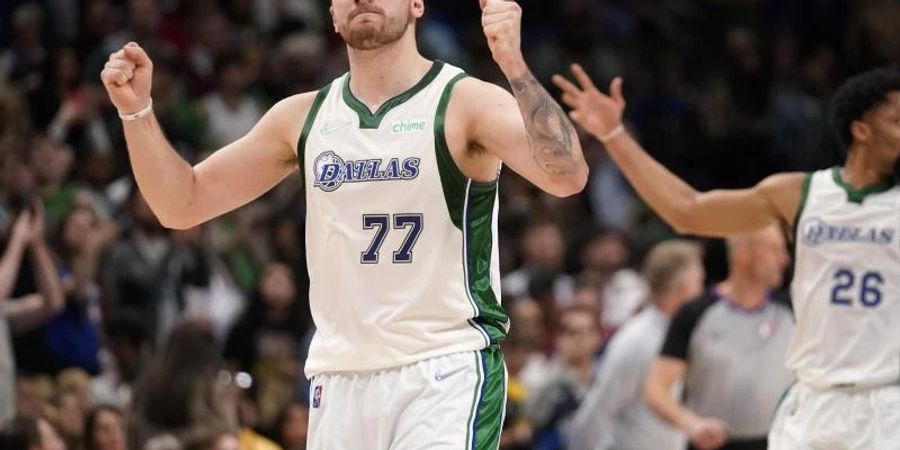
column 145, row 274
column 222, row 441
column 605, row 260
column 542, row 251
column 29, row 433
column 728, row 347
column 26, row 54
column 532, row 332
column 68, row 419
column 104, row 429
column 72, row 338
column 37, row 296
column 551, row 406
column 517, row 348
column 230, row 110
column 266, row 340
column 614, row 415
column 17, row 241
column 128, row 348
column 176, row 112
column 190, row 375
column 292, row 426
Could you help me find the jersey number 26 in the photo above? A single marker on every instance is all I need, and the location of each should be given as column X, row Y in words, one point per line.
column 869, row 288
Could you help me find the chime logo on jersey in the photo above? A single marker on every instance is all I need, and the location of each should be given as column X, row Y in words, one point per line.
column 816, row 231
column 331, row 171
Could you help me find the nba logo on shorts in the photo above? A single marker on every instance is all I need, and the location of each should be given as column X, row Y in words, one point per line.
column 317, row 396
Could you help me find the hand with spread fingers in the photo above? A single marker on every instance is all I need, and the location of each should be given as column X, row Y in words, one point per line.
column 502, row 23
column 127, row 77
column 596, row 112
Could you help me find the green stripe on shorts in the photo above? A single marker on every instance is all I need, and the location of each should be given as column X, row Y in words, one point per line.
column 490, row 406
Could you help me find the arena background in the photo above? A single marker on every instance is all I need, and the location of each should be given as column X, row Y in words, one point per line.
column 722, row 92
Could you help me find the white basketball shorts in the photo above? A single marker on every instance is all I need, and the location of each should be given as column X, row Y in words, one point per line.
column 836, row 419
column 452, row 402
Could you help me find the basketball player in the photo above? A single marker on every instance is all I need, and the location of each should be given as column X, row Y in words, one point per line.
column 399, row 159
column 845, row 351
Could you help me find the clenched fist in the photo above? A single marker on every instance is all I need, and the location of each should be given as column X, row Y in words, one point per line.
column 502, row 23
column 127, row 77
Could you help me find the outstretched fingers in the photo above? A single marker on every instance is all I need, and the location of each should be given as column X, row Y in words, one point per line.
column 582, row 77
column 565, row 85
column 571, row 100
column 615, row 90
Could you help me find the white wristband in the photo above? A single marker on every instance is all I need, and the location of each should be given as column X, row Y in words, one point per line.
column 141, row 113
column 612, row 134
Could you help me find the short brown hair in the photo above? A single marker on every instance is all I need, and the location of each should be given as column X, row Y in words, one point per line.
column 666, row 261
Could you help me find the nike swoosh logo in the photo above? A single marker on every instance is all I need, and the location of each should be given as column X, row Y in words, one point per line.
column 331, row 128
column 441, row 376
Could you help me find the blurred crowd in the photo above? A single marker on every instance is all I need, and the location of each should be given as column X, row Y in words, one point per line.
column 114, row 330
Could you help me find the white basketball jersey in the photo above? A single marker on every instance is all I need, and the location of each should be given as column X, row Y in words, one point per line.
column 401, row 246
column 846, row 287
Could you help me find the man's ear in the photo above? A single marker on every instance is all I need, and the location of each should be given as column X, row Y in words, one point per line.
column 333, row 19
column 417, row 8
column 860, row 131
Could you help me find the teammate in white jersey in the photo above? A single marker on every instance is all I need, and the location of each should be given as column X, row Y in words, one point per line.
column 845, row 351
column 400, row 159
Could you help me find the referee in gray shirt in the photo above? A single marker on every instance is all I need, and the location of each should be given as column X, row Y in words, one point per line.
column 613, row 415
column 728, row 347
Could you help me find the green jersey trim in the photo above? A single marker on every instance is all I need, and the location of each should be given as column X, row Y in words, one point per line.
column 795, row 237
column 453, row 181
column 857, row 195
column 478, row 241
column 368, row 120
column 804, row 195
column 307, row 127
column 470, row 205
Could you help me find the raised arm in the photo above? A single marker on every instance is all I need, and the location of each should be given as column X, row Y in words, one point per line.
column 529, row 132
column 182, row 196
column 33, row 310
column 49, row 283
column 715, row 213
column 19, row 237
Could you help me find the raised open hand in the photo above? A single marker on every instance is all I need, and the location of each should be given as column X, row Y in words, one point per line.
column 596, row 112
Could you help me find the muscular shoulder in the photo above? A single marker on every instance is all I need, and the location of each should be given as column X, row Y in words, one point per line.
column 474, row 90
column 286, row 117
column 479, row 98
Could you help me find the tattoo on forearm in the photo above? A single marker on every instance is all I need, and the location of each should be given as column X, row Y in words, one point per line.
column 550, row 132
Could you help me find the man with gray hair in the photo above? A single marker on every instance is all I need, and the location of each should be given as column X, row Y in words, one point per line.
column 614, row 415
column 728, row 347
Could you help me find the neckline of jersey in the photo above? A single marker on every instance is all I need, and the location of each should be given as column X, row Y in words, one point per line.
column 716, row 291
column 857, row 195
column 370, row 120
